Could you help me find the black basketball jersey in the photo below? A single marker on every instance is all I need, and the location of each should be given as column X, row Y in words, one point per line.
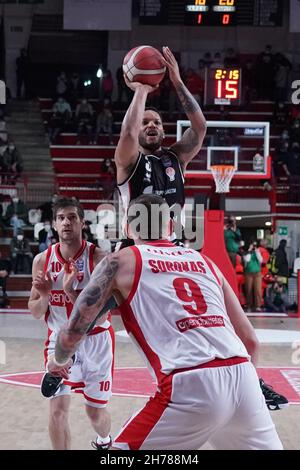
column 159, row 174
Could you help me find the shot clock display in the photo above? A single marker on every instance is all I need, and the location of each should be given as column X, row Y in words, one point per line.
column 223, row 86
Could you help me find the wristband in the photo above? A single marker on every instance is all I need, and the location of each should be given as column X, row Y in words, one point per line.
column 58, row 364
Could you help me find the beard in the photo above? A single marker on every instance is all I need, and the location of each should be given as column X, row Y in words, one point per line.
column 151, row 146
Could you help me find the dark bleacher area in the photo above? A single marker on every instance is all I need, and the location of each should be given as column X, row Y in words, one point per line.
column 78, row 167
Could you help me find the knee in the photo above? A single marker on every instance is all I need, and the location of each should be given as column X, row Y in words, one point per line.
column 96, row 415
column 58, row 418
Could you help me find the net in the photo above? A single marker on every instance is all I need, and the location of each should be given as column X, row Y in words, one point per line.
column 222, row 175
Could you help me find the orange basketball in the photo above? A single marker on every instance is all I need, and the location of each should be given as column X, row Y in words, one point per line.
column 144, row 64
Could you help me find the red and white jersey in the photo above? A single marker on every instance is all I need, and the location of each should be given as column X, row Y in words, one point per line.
column 175, row 312
column 60, row 306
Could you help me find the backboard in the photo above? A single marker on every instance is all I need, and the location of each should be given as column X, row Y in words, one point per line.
column 243, row 144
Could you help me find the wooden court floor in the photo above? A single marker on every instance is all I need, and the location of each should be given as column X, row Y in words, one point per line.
column 24, row 412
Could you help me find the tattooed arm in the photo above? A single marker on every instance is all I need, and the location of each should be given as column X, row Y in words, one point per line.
column 190, row 144
column 86, row 308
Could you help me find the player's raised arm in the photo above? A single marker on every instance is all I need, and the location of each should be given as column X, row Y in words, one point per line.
column 191, row 142
column 41, row 286
column 86, row 308
column 127, row 150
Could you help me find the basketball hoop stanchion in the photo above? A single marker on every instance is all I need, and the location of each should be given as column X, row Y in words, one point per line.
column 214, row 243
column 298, row 283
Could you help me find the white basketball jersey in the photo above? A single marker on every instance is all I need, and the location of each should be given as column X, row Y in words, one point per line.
column 175, row 312
column 60, row 306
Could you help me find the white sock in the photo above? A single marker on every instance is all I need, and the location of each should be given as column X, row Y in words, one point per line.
column 103, row 440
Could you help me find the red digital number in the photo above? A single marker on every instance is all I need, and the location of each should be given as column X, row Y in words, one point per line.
column 219, row 89
column 231, row 88
column 226, row 19
column 199, row 21
column 188, row 291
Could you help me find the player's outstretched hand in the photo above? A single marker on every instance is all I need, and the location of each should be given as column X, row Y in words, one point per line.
column 70, row 275
column 172, row 65
column 58, row 371
column 135, row 85
column 43, row 283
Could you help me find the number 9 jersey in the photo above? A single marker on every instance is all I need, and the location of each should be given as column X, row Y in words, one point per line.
column 175, row 312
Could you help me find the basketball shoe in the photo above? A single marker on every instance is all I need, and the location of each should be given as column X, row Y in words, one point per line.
column 105, row 446
column 51, row 383
column 274, row 400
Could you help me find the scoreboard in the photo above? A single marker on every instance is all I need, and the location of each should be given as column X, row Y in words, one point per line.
column 211, row 12
column 223, row 86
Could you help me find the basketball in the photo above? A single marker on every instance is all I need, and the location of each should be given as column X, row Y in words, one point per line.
column 144, row 64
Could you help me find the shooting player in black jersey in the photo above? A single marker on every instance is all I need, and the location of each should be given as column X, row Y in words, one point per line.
column 143, row 165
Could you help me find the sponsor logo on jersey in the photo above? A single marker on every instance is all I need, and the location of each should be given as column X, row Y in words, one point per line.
column 80, row 266
column 58, row 298
column 170, row 172
column 186, row 324
column 148, row 171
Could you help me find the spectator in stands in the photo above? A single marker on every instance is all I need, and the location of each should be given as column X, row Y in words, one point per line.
column 218, row 63
column 5, row 269
column 231, row 58
column 252, row 269
column 281, row 114
column 74, row 89
column 281, row 265
column 233, row 237
column 267, row 52
column 295, row 131
column 46, row 209
column 61, row 115
column 281, row 154
column 86, row 232
column 2, row 222
column 22, row 72
column 265, row 70
column 3, row 174
column 107, row 167
column 46, row 235
column 61, row 84
column 282, row 69
column 239, row 270
column 201, row 69
column 294, row 112
column 194, row 84
column 16, row 214
column 276, row 299
column 84, row 116
column 265, row 254
column 3, row 133
column 108, row 178
column 249, row 86
column 13, row 162
column 291, row 166
column 123, row 90
column 20, row 253
column 107, row 86
column 105, row 122
column 207, row 59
